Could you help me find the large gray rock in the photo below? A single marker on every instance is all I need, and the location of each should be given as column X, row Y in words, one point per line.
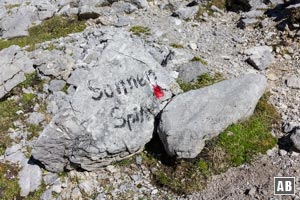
column 14, row 64
column 111, row 114
column 30, row 178
column 17, row 23
column 198, row 115
column 260, row 57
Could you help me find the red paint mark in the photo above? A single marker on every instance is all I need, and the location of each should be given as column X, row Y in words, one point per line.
column 158, row 91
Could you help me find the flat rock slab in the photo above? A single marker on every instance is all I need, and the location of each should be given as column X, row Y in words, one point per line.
column 14, row 64
column 198, row 115
column 111, row 114
column 30, row 178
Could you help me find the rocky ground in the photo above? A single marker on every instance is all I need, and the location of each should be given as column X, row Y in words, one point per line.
column 256, row 40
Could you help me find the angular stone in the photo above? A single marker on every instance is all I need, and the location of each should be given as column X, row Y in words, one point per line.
column 295, row 138
column 53, row 63
column 14, row 63
column 261, row 57
column 186, row 12
column 293, row 82
column 30, row 178
column 56, row 85
column 17, row 24
column 111, row 114
column 190, row 71
column 198, row 115
column 35, row 118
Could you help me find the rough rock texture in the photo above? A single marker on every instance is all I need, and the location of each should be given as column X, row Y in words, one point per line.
column 190, row 71
column 198, row 115
column 261, row 57
column 53, row 63
column 293, row 82
column 30, row 178
column 112, row 112
column 295, row 138
column 186, row 12
column 14, row 63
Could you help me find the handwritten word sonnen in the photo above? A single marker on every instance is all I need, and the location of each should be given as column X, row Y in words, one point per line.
column 121, row 86
column 138, row 116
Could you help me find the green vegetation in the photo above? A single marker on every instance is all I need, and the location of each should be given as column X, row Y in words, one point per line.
column 9, row 187
column 177, row 46
column 55, row 27
column 125, row 163
column 9, row 108
column 198, row 59
column 202, row 81
column 34, row 130
column 140, row 30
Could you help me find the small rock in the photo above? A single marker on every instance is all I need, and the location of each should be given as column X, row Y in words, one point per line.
column 260, row 57
column 154, row 192
column 185, row 12
column 47, row 195
column 50, row 178
column 56, row 85
column 76, row 194
column 295, row 138
column 192, row 46
column 252, row 191
column 190, row 71
column 87, row 186
column 287, row 57
column 139, row 160
column 35, row 118
column 57, row 186
column 293, row 82
column 282, row 152
column 243, row 23
column 30, row 178
column 111, row 169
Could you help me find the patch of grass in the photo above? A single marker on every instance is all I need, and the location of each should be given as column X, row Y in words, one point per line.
column 177, row 46
column 27, row 101
column 202, row 81
column 9, row 187
column 8, row 109
column 34, row 130
column 125, row 163
column 237, row 145
column 58, row 26
column 198, row 59
column 140, row 30
column 32, row 80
